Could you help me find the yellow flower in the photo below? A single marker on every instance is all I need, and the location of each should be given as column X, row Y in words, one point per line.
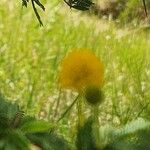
column 81, row 69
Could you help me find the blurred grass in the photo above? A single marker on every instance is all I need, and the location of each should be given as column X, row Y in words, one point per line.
column 30, row 57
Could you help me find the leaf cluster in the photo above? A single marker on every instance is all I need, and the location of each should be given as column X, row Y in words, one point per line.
column 133, row 136
column 82, row 5
column 18, row 131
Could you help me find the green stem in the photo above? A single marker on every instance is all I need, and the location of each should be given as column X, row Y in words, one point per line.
column 95, row 114
column 68, row 109
column 80, row 112
column 145, row 8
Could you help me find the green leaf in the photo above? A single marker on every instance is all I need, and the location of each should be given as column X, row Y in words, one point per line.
column 121, row 145
column 85, row 140
column 138, row 141
column 143, row 140
column 134, row 126
column 49, row 141
column 109, row 134
column 8, row 112
column 34, row 126
column 14, row 140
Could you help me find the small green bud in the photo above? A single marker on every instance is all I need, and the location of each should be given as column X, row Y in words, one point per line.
column 93, row 95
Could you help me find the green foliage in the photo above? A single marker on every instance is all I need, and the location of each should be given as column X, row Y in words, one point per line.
column 19, row 133
column 13, row 140
column 109, row 134
column 125, row 12
column 77, row 4
column 29, row 65
column 35, row 126
column 85, row 139
column 134, row 11
column 138, row 141
column 132, row 136
column 10, row 138
column 49, row 141
column 131, row 11
column 7, row 109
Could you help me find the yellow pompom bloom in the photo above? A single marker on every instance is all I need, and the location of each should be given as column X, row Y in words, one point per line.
column 81, row 69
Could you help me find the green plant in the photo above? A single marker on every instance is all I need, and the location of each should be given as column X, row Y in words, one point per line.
column 29, row 64
column 132, row 8
column 135, row 135
column 77, row 4
column 18, row 131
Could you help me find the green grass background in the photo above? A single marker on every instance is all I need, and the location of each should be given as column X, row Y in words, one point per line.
column 30, row 57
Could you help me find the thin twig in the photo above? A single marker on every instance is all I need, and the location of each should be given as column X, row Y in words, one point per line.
column 68, row 109
column 57, row 104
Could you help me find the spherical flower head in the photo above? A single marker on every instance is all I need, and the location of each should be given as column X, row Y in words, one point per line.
column 81, row 69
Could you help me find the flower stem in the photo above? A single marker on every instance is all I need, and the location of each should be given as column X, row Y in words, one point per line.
column 95, row 114
column 80, row 112
column 68, row 109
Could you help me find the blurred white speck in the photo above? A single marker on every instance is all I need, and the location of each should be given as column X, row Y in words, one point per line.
column 30, row 88
column 116, row 120
column 108, row 37
column 115, row 65
column 1, row 26
column 4, row 48
column 107, row 71
column 131, row 89
column 143, row 86
column 109, row 84
column 121, row 78
column 12, row 86
column 148, row 72
column 1, row 72
column 55, row 96
column 51, row 57
column 7, row 81
column 109, row 117
column 22, row 71
column 120, row 93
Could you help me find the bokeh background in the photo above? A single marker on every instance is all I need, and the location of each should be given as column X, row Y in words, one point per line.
column 117, row 32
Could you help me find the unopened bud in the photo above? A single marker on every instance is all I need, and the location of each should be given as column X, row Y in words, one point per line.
column 93, row 95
